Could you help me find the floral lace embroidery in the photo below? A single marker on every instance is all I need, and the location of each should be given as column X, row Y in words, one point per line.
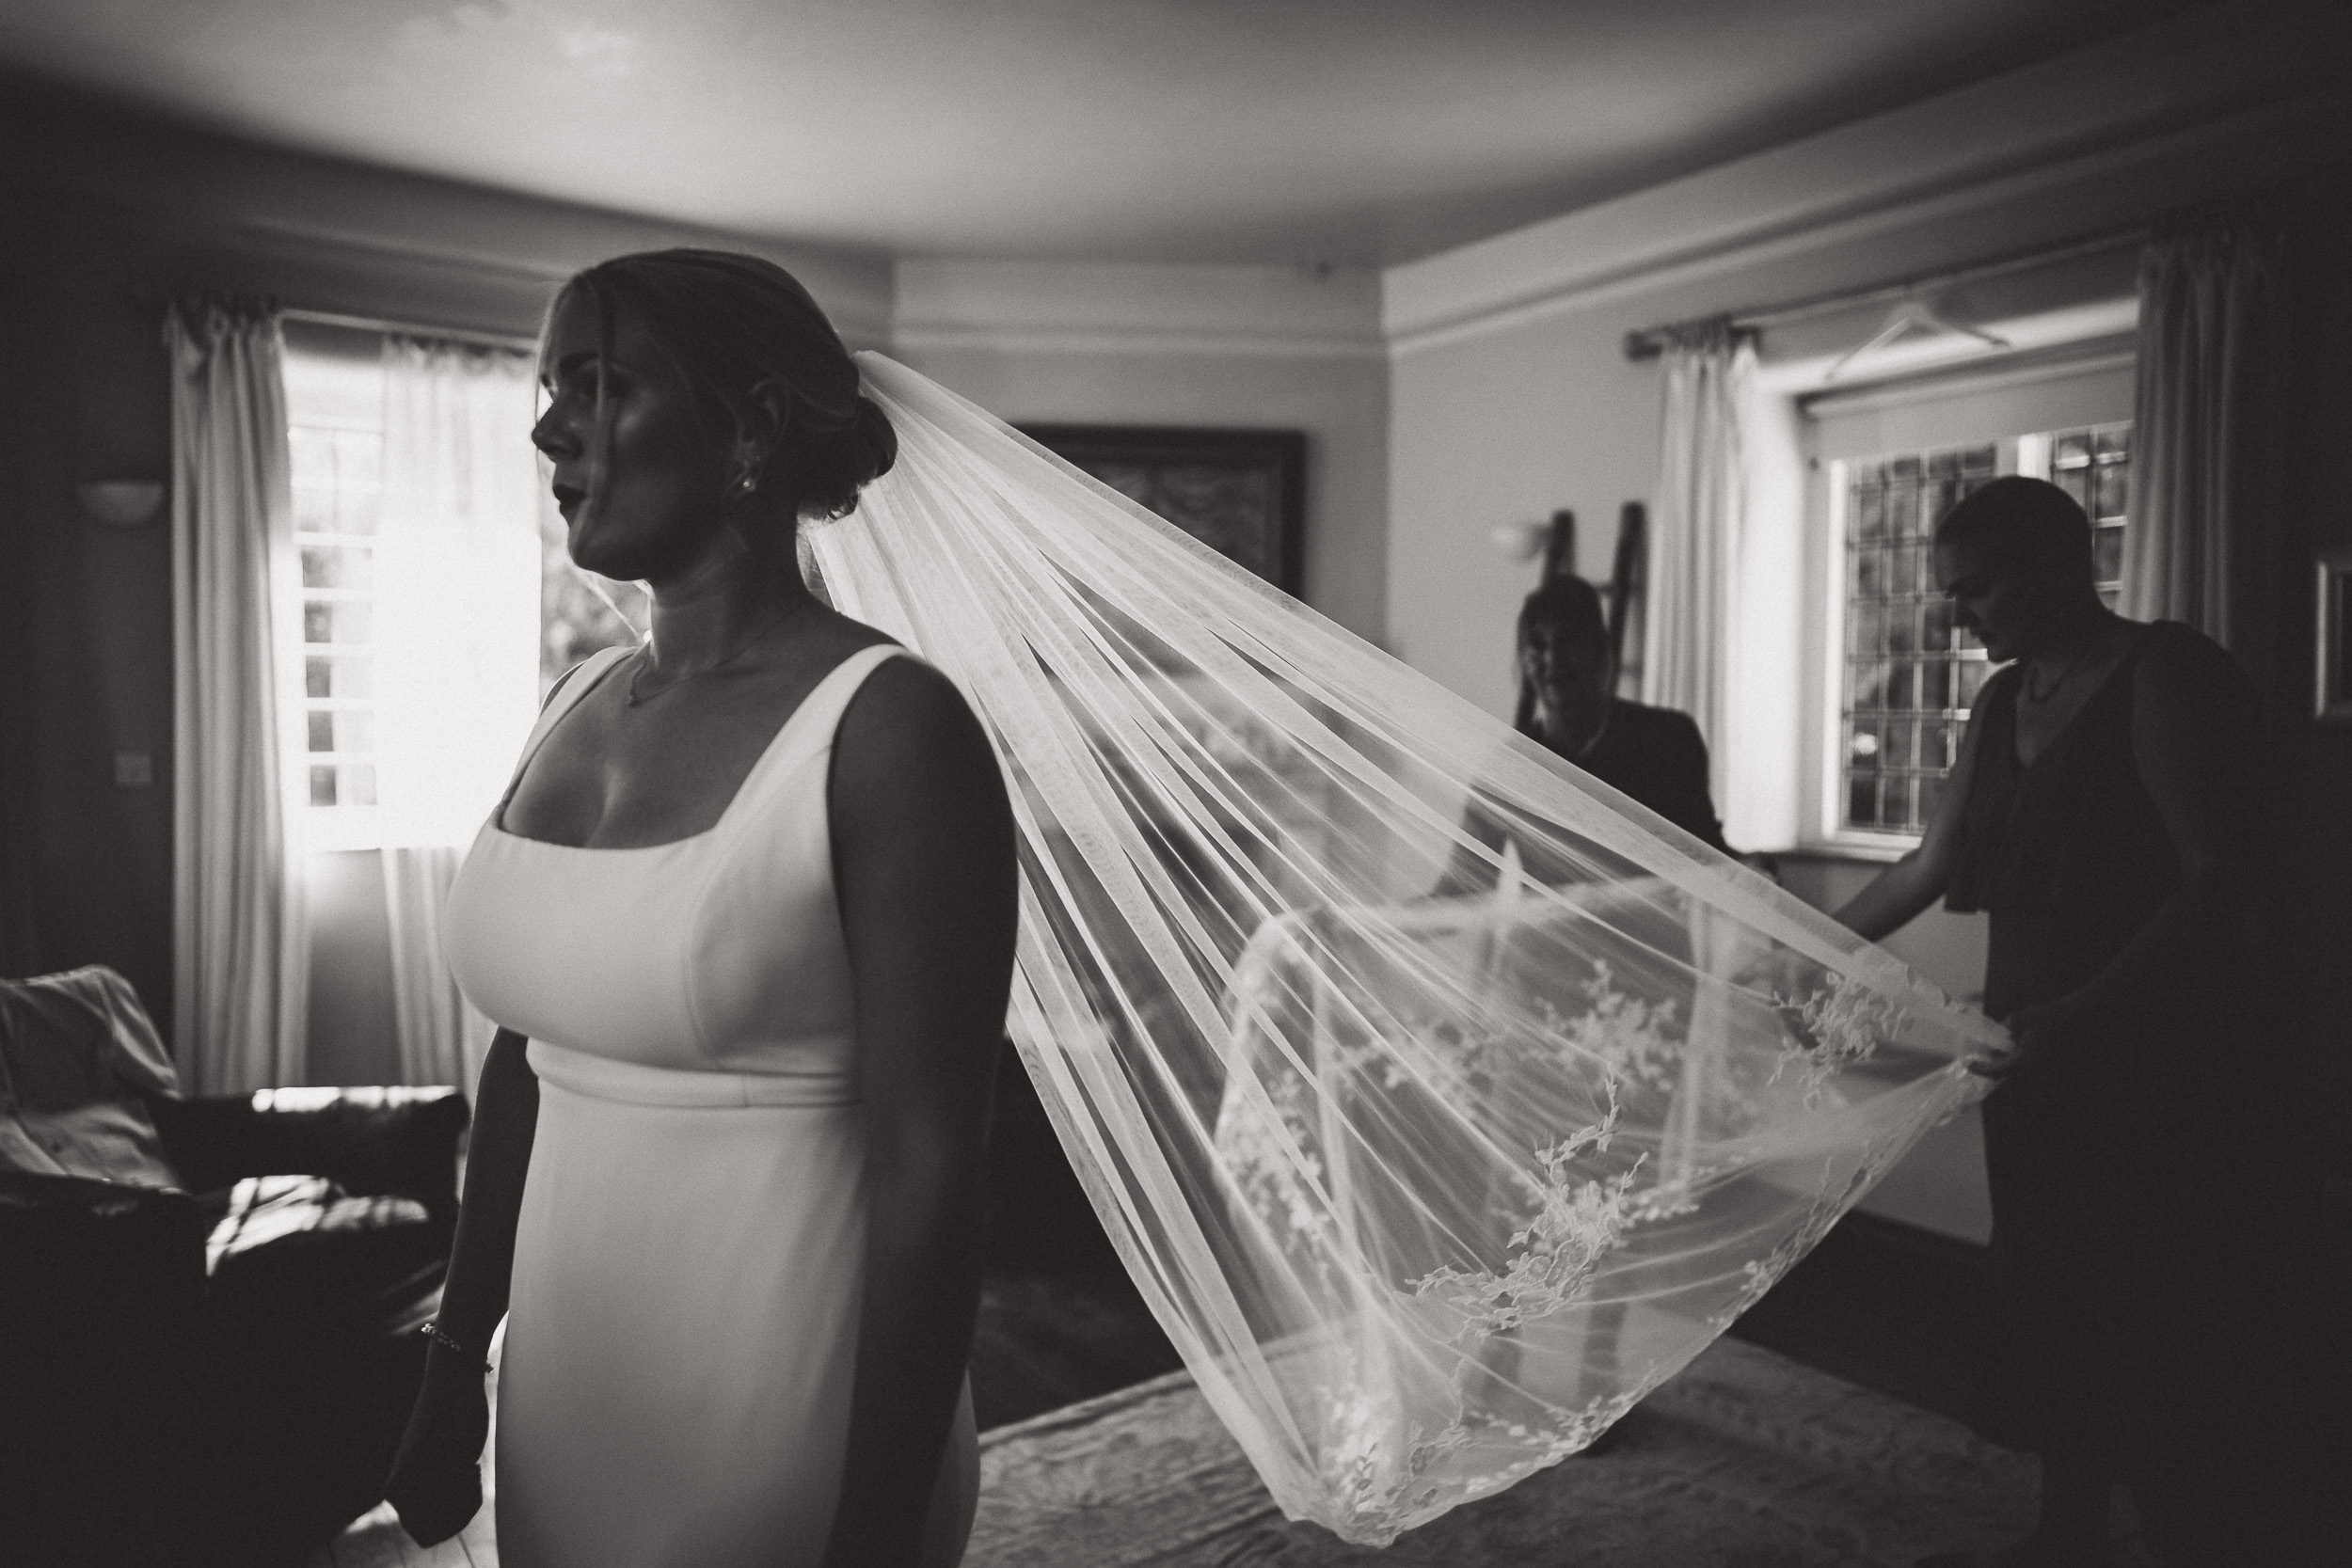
column 1552, row 1258
column 1838, row 1027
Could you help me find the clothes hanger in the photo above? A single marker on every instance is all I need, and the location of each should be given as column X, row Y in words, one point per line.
column 1913, row 315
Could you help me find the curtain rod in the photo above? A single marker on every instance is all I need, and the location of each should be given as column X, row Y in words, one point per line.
column 1648, row 342
column 410, row 329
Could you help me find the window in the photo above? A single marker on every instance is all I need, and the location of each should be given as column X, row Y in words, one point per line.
column 335, row 435
column 1909, row 676
column 438, row 603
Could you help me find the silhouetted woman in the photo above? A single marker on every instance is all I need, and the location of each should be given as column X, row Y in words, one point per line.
column 1567, row 703
column 2105, row 810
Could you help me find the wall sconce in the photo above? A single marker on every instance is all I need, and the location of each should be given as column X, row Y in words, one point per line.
column 1522, row 541
column 1553, row 539
column 124, row 503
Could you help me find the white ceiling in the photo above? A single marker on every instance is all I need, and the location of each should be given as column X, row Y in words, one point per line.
column 1293, row 130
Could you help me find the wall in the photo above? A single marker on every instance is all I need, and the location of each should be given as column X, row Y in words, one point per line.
column 108, row 217
column 1511, row 395
column 1269, row 347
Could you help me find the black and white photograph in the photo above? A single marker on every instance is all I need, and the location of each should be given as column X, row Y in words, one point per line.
column 1175, row 784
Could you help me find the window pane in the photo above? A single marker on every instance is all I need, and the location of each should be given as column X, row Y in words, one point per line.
column 1901, row 686
column 1867, row 579
column 359, row 458
column 312, row 454
column 322, row 732
column 359, row 783
column 313, row 509
column 1864, row 746
column 1931, row 794
column 337, row 566
column 339, row 676
column 1902, row 629
column 2075, row 483
column 2114, row 492
column 1869, row 684
column 355, row 511
column 322, row 787
column 1869, row 511
column 1935, row 625
column 337, row 621
column 1862, row 800
column 1895, row 807
column 2070, row 449
column 1935, row 685
column 2107, row 555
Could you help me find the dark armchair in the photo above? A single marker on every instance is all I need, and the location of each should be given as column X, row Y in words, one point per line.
column 208, row 1305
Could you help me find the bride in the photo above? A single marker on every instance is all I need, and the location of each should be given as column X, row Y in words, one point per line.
column 746, row 917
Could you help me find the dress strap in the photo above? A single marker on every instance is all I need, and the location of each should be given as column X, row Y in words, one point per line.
column 810, row 730
column 576, row 684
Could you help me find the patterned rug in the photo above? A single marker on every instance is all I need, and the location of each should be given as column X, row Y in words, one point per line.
column 1747, row 1460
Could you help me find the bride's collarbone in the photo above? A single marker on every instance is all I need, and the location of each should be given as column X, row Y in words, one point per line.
column 618, row 774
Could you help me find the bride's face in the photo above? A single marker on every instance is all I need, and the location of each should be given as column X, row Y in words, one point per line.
column 654, row 509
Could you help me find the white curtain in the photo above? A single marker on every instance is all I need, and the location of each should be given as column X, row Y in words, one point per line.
column 1696, row 532
column 2199, row 546
column 241, row 937
column 457, row 639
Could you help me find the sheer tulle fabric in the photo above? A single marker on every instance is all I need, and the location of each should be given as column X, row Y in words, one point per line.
column 1432, row 1158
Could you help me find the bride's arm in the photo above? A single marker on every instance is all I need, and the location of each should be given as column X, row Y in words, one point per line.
column 435, row 1482
column 924, row 864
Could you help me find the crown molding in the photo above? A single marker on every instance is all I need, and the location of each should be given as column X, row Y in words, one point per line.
column 1239, row 346
column 1262, row 312
column 2229, row 87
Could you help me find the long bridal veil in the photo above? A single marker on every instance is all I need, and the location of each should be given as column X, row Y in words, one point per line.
column 1441, row 1101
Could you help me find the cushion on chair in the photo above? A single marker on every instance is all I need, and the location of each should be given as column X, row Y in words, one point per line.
column 398, row 1141
column 78, row 1060
column 303, row 1250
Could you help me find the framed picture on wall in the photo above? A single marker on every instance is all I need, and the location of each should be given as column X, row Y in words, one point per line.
column 1241, row 492
column 2333, row 695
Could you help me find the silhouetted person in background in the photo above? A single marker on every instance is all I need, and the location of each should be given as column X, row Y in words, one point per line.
column 1568, row 674
column 2108, row 811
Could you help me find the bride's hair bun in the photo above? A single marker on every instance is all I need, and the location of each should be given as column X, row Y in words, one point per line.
column 826, row 468
column 731, row 323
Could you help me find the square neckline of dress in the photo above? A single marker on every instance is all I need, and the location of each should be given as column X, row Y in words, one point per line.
column 767, row 754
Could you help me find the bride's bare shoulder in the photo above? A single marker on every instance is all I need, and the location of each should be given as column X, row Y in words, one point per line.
column 908, row 713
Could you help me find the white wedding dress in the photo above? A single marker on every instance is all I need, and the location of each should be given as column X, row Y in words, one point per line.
column 675, row 1387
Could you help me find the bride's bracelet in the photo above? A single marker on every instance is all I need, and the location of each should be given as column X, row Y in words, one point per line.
column 431, row 1328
